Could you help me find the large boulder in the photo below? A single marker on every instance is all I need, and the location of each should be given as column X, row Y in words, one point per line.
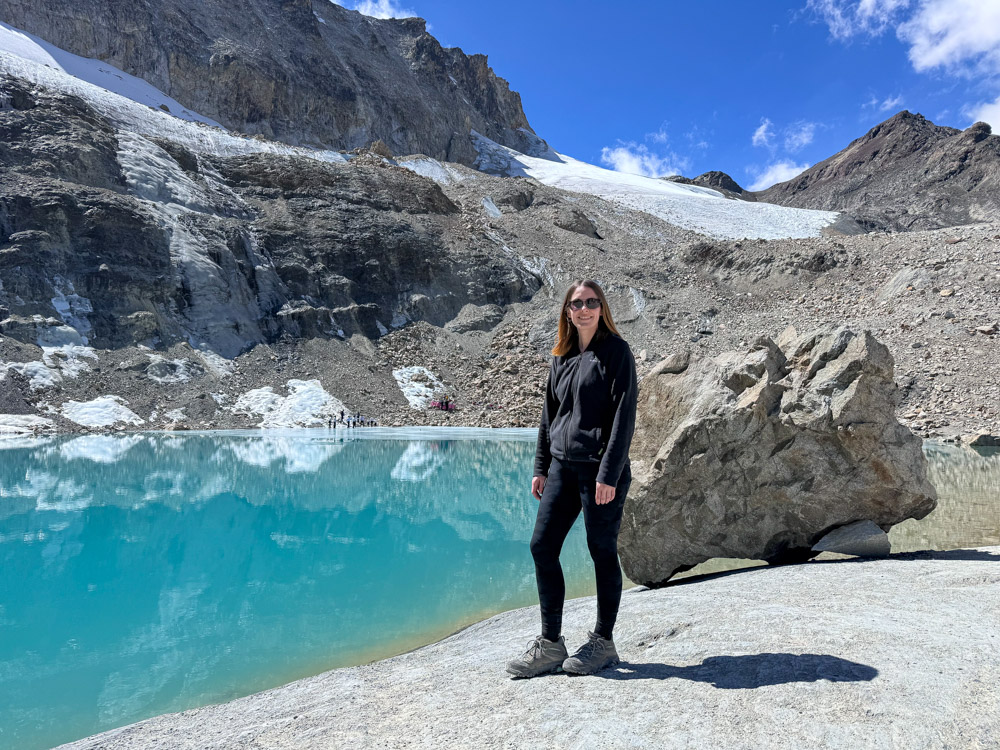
column 759, row 455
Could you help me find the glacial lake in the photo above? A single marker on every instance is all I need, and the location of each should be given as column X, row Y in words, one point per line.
column 149, row 573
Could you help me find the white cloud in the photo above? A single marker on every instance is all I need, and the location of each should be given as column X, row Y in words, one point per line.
column 847, row 18
column 383, row 9
column 696, row 138
column 799, row 135
column 892, row 102
column 959, row 35
column 986, row 112
column 775, row 173
column 954, row 34
column 636, row 158
column 660, row 136
column 762, row 136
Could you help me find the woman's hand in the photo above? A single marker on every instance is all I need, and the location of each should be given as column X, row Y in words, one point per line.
column 537, row 487
column 605, row 493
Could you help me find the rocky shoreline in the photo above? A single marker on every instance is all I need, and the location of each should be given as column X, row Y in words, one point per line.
column 826, row 654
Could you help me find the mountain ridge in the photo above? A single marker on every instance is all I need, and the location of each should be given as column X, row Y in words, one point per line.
column 905, row 173
column 303, row 72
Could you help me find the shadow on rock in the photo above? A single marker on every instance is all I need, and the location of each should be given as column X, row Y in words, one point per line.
column 952, row 554
column 750, row 671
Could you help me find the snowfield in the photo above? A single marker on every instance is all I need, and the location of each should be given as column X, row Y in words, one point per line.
column 104, row 411
column 691, row 207
column 135, row 106
column 129, row 102
column 418, row 384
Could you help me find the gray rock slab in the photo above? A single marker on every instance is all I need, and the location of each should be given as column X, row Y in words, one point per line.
column 758, row 454
column 894, row 653
column 861, row 539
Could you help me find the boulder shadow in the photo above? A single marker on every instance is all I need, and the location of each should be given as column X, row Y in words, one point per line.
column 750, row 671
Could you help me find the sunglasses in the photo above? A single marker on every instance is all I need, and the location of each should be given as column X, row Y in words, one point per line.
column 592, row 303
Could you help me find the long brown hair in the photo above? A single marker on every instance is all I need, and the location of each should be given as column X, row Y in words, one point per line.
column 567, row 336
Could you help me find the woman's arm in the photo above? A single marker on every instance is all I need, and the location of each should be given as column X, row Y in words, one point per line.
column 624, row 394
column 543, row 458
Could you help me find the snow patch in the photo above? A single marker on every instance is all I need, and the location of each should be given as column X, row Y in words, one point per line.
column 418, row 384
column 306, row 405
column 216, row 364
column 699, row 209
column 638, row 300
column 36, row 50
column 130, row 103
column 176, row 415
column 72, row 308
column 442, row 174
column 68, row 359
column 491, row 208
column 163, row 370
column 63, row 355
column 38, row 374
column 103, row 411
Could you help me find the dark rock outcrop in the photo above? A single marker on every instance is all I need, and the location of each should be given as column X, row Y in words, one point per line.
column 306, row 72
column 905, row 173
column 716, row 180
column 759, row 455
column 147, row 242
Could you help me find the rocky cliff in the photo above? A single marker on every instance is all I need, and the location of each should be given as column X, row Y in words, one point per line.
column 168, row 245
column 906, row 173
column 305, row 72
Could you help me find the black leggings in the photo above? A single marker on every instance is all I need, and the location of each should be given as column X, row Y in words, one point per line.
column 571, row 485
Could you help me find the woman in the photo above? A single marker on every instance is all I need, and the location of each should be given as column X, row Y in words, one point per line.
column 581, row 462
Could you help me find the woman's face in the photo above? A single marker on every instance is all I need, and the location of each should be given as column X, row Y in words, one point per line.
column 585, row 319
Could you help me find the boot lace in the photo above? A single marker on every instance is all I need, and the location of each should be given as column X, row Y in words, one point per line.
column 587, row 649
column 534, row 650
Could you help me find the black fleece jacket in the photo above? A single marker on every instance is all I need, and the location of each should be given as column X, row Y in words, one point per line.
column 589, row 412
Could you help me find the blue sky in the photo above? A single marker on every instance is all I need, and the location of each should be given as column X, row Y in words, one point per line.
column 760, row 90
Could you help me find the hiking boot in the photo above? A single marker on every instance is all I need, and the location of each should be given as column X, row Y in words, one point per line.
column 542, row 656
column 593, row 656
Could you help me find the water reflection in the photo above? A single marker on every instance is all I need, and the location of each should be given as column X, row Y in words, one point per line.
column 150, row 573
column 968, row 512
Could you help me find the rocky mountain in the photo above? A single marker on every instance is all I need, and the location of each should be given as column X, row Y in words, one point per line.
column 906, row 173
column 304, row 72
column 158, row 272
column 716, row 180
column 169, row 245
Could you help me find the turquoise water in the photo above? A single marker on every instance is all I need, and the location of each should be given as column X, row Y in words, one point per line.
column 143, row 574
column 151, row 573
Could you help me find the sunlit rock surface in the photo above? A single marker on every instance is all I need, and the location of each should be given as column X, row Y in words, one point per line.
column 760, row 454
column 819, row 655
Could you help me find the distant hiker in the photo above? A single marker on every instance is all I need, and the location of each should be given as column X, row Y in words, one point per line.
column 581, row 462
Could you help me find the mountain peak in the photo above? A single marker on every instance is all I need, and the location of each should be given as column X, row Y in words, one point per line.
column 904, row 173
column 322, row 76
